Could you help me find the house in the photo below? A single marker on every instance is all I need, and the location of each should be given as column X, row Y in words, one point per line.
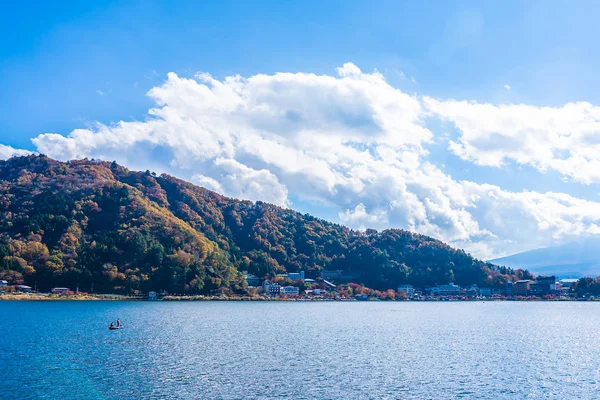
column 251, row 280
column 472, row 290
column 521, row 288
column 549, row 280
column 485, row 291
column 543, row 285
column 567, row 283
column 3, row 283
column 289, row 290
column 296, row 275
column 60, row 290
column 23, row 288
column 446, row 290
column 408, row 290
column 508, row 289
column 271, row 288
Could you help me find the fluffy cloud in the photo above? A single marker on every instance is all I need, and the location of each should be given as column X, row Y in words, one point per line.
column 241, row 181
column 350, row 141
column 8, row 152
column 565, row 139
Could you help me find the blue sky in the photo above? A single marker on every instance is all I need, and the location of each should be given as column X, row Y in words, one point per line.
column 68, row 66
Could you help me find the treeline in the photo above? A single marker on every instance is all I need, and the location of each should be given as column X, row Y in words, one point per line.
column 105, row 228
column 587, row 286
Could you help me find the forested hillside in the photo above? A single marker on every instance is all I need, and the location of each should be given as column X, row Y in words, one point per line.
column 103, row 227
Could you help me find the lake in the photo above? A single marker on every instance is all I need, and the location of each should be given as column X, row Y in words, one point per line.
column 280, row 350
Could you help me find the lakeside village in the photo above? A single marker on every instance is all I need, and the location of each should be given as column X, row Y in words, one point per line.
column 294, row 286
column 540, row 288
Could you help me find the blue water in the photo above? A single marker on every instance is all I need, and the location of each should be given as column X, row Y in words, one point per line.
column 251, row 350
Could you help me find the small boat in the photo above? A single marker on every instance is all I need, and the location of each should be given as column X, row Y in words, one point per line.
column 112, row 328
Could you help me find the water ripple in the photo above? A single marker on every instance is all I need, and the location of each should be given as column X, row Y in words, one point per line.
column 330, row 350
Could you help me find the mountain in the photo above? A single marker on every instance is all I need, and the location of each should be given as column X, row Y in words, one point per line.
column 571, row 260
column 101, row 226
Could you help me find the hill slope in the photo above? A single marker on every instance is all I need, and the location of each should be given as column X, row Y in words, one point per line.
column 570, row 260
column 98, row 224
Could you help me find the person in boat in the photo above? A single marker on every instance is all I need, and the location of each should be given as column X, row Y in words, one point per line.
column 118, row 323
column 112, row 325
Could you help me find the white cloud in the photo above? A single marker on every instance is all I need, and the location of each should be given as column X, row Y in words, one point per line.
column 565, row 139
column 351, row 141
column 7, row 152
column 243, row 182
column 361, row 219
column 507, row 87
column 207, row 182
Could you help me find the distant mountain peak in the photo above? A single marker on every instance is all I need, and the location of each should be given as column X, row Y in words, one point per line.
column 576, row 258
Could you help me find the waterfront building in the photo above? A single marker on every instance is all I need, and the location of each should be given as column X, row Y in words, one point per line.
column 550, row 280
column 472, row 290
column 485, row 291
column 3, row 283
column 408, row 290
column 508, row 289
column 289, row 290
column 567, row 283
column 152, row 296
column 447, row 290
column 251, row 280
column 271, row 288
column 521, row 288
column 23, row 288
column 296, row 275
column 543, row 285
column 60, row 290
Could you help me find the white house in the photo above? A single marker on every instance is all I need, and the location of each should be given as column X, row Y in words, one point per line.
column 3, row 283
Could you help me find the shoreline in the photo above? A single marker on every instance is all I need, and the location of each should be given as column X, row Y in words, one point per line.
column 109, row 297
column 53, row 297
